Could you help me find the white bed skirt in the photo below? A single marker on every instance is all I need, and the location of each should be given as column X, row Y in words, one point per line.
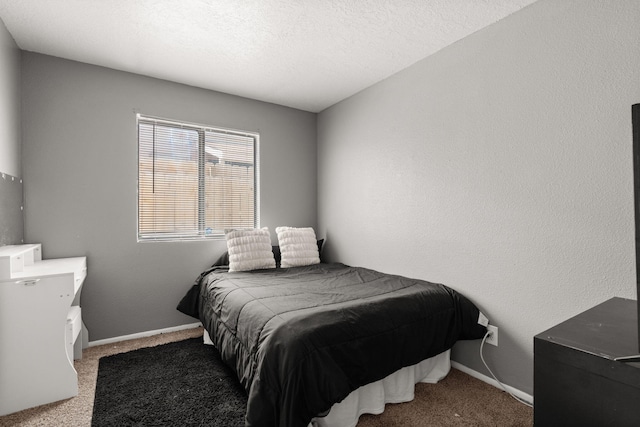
column 371, row 398
column 396, row 388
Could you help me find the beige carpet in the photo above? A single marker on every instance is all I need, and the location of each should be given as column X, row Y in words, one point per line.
column 458, row 400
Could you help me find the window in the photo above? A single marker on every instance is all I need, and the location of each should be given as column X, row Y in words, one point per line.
column 194, row 181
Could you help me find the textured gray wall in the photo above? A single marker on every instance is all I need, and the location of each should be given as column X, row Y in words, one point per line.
column 500, row 166
column 80, row 174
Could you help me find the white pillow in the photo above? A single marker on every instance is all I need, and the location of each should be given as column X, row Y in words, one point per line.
column 298, row 246
column 250, row 249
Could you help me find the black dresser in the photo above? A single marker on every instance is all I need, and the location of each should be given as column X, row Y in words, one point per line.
column 576, row 380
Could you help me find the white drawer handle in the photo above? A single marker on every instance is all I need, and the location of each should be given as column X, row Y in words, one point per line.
column 28, row 282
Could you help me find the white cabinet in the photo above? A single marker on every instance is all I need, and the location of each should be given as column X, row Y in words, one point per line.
column 41, row 329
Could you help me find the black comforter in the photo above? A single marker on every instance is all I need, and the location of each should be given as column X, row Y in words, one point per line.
column 301, row 339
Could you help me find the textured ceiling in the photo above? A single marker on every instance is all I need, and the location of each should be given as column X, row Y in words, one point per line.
column 306, row 54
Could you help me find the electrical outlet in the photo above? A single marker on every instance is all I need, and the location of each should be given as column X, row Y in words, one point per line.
column 493, row 335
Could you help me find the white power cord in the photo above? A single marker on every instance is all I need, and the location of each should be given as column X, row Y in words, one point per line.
column 494, row 377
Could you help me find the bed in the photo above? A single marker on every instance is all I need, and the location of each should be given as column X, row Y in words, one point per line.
column 303, row 339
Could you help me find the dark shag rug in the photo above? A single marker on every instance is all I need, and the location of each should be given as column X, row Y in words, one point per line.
column 182, row 383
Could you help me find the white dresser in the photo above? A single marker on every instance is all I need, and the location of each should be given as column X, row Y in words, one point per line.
column 41, row 329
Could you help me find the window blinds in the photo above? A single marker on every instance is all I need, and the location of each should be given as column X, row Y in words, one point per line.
column 194, row 181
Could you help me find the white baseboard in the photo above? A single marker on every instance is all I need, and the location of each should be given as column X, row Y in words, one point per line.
column 518, row 393
column 144, row 334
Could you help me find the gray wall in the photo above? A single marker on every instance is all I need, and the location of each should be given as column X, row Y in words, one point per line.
column 500, row 166
column 80, row 170
column 11, row 219
column 9, row 104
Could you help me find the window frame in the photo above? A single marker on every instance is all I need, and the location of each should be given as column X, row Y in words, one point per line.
column 201, row 233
